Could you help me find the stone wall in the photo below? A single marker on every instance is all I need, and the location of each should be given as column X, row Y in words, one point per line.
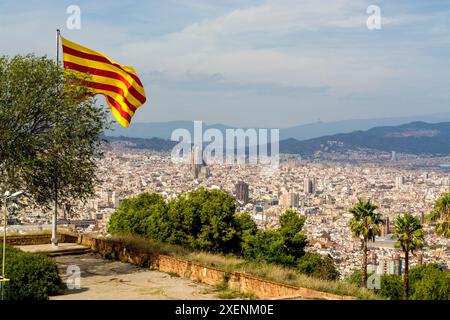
column 117, row 250
column 35, row 239
column 242, row 282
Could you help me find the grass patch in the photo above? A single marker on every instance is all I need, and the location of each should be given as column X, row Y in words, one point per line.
column 142, row 244
column 28, row 233
column 38, row 232
column 232, row 295
column 173, row 274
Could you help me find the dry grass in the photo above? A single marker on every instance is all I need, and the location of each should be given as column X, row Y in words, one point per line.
column 38, row 232
column 142, row 244
column 28, row 233
column 280, row 274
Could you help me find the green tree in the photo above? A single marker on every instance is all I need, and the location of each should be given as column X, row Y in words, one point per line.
column 246, row 228
column 291, row 225
column 269, row 246
column 51, row 132
column 318, row 266
column 429, row 282
column 284, row 245
column 139, row 215
column 355, row 277
column 391, row 287
column 184, row 222
column 410, row 237
column 441, row 215
column 365, row 225
column 216, row 212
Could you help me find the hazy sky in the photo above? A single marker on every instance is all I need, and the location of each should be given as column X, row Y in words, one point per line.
column 258, row 63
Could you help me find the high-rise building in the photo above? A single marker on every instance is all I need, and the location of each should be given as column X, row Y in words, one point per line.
column 309, row 186
column 393, row 156
column 390, row 265
column 115, row 200
column 199, row 169
column 289, row 200
column 446, row 182
column 385, row 228
column 105, row 196
column 397, row 264
column 196, row 161
column 242, row 192
column 399, row 182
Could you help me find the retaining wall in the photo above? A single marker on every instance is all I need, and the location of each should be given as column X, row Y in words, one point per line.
column 242, row 282
column 35, row 239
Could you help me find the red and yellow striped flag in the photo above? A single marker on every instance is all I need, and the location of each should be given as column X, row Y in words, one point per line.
column 119, row 84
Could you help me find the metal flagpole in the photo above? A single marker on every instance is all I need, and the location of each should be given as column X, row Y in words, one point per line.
column 4, row 247
column 55, row 213
column 58, row 36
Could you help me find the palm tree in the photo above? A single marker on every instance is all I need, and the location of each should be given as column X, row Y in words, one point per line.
column 410, row 237
column 365, row 225
column 441, row 215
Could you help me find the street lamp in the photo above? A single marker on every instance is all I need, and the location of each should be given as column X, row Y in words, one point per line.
column 7, row 196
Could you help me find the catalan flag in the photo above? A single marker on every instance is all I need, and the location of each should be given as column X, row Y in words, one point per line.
column 119, row 84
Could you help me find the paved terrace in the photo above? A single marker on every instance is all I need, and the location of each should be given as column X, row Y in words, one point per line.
column 103, row 279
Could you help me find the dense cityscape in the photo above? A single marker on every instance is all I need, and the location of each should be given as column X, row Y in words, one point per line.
column 321, row 190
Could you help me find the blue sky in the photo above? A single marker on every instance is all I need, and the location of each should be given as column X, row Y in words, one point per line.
column 266, row 63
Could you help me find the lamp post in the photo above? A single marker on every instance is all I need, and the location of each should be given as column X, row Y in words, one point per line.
column 7, row 196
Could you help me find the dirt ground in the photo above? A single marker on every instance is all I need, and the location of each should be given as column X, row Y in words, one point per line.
column 103, row 279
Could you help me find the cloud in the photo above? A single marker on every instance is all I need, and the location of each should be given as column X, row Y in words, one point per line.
column 313, row 58
column 239, row 46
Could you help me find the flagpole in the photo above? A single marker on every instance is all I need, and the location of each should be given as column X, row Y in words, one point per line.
column 54, row 239
column 58, row 35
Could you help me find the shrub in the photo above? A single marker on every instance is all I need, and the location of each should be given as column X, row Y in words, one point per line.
column 391, row 287
column 205, row 220
column 284, row 245
column 269, row 246
column 355, row 278
column 315, row 265
column 429, row 282
column 32, row 276
column 139, row 215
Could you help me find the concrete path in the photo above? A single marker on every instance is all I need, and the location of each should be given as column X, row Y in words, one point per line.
column 103, row 279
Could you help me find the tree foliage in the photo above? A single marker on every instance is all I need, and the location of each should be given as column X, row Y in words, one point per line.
column 429, row 282
column 50, row 131
column 318, row 266
column 32, row 276
column 284, row 245
column 391, row 287
column 365, row 225
column 410, row 237
column 204, row 219
column 441, row 215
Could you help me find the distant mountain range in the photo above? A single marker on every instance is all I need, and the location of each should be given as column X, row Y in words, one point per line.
column 164, row 130
column 411, row 138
